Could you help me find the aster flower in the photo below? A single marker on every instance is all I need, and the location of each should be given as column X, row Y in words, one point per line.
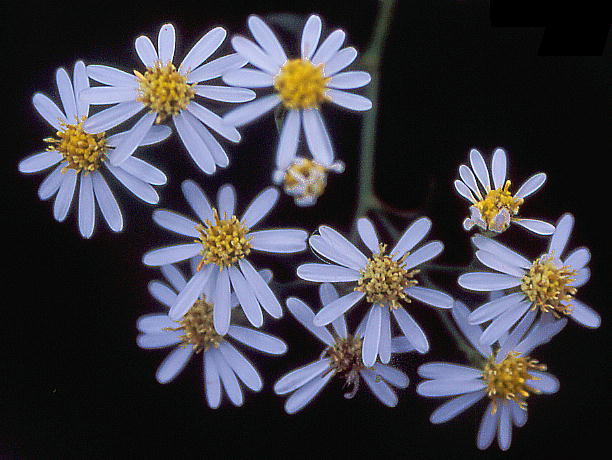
column 301, row 85
column 547, row 284
column 194, row 333
column 223, row 242
column 386, row 281
column 494, row 208
column 507, row 377
column 341, row 358
column 167, row 91
column 305, row 179
column 79, row 156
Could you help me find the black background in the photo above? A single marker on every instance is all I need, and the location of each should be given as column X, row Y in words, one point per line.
column 75, row 385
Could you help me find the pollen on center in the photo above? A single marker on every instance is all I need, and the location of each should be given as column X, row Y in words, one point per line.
column 301, row 84
column 199, row 327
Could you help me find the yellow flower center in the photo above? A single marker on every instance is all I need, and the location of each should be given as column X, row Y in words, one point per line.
column 82, row 151
column 199, row 327
column 164, row 90
column 224, row 242
column 305, row 179
column 495, row 202
column 301, row 84
column 345, row 356
column 383, row 279
column 547, row 285
column 507, row 380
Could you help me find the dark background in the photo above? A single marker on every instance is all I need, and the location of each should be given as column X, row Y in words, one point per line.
column 75, row 385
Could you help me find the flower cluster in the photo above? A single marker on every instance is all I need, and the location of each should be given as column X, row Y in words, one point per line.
column 373, row 279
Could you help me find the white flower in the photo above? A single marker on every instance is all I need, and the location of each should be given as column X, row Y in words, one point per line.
column 384, row 280
column 223, row 241
column 79, row 156
column 507, row 377
column 547, row 284
column 305, row 179
column 193, row 333
column 341, row 358
column 301, row 85
column 166, row 91
column 496, row 208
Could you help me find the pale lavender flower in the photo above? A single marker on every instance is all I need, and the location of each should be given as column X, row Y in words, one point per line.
column 81, row 158
column 341, row 358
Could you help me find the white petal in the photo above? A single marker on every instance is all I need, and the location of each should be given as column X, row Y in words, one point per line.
column 448, row 371
column 578, row 258
column 464, row 191
column 248, row 78
column 411, row 330
column 166, row 40
column 154, row 323
column 327, row 293
column 241, row 366
column 80, row 81
column 503, row 323
column 536, row 226
column 228, row 378
column 138, row 187
column 279, row 240
column 111, row 76
column 218, row 154
column 392, row 375
column 349, row 100
column 305, row 394
column 261, row 205
column 509, row 343
column 367, row 233
column 501, row 251
column 222, row 303
column 561, row 236
column 519, row 415
column 544, row 382
column 267, row 40
column 146, row 51
column 144, row 171
column 350, row 80
column 584, row 314
column 339, row 61
column 289, row 138
column 108, row 95
column 202, row 50
column 197, row 200
column 111, row 117
column 171, row 254
column 504, row 430
column 195, row 145
column 480, row 169
column 87, row 206
column 472, row 332
column 48, row 110
column 329, row 47
column 225, row 93
column 174, row 276
column 371, row 339
column 226, row 201
column 305, row 316
column 133, row 140
column 531, row 185
column 174, row 363
column 411, row 237
column 326, row 249
column 262, row 291
column 400, row 345
column 163, row 340
column 327, row 273
column 246, row 297
column 107, row 202
column 190, row 293
column 430, row 296
column 52, row 183
column 310, row 36
column 341, row 244
column 175, row 222
column 63, row 200
column 488, row 427
column 488, row 281
column 424, row 254
column 494, row 262
column 498, row 168
column 380, row 388
column 162, row 293
column 436, row 388
column 252, row 110
column 455, row 406
column 298, row 377
column 212, row 381
column 468, row 178
column 39, row 161
column 338, row 307
column 66, row 91
column 495, row 307
column 214, row 121
column 256, row 56
column 384, row 347
column 317, row 137
column 258, row 340
column 216, row 68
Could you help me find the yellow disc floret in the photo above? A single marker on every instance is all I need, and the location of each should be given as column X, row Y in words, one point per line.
column 83, row 151
column 498, row 201
column 164, row 90
column 384, row 280
column 547, row 285
column 508, row 379
column 301, row 84
column 199, row 327
column 224, row 242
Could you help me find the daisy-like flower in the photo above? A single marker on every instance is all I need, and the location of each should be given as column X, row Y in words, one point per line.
column 194, row 333
column 341, row 358
column 494, row 208
column 223, row 242
column 79, row 156
column 547, row 285
column 385, row 280
column 305, row 180
column 301, row 85
column 167, row 91
column 507, row 377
